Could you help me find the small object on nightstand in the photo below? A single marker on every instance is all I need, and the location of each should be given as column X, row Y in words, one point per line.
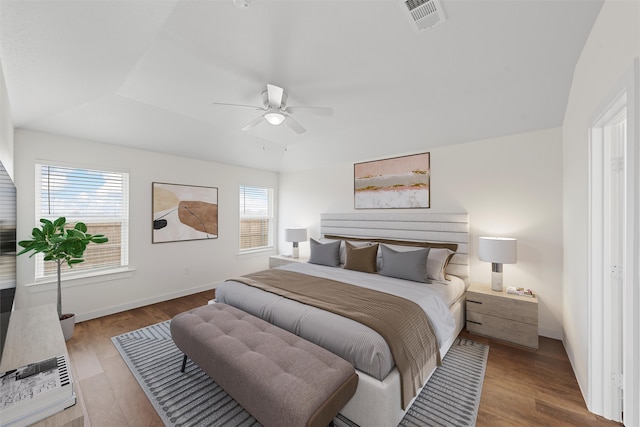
column 520, row 291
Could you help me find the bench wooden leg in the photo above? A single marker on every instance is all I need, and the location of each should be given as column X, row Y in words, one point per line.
column 184, row 363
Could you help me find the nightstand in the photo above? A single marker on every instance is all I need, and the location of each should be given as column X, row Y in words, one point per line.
column 280, row 260
column 504, row 316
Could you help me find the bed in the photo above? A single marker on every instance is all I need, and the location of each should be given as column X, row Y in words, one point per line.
column 382, row 396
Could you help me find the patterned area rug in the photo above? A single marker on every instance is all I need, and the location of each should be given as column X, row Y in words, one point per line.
column 451, row 397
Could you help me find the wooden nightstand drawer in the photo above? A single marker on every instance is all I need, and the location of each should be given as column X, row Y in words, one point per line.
column 502, row 316
column 525, row 311
column 504, row 329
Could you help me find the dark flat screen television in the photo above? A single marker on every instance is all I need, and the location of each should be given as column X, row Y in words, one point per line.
column 8, row 247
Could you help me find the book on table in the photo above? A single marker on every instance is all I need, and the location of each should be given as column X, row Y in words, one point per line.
column 33, row 392
column 520, row 291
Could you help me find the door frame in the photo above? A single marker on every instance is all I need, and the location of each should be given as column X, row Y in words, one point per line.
column 602, row 398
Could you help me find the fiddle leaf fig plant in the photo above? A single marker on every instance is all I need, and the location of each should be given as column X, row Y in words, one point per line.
column 60, row 244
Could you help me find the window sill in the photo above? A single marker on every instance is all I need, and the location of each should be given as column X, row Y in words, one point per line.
column 256, row 251
column 49, row 284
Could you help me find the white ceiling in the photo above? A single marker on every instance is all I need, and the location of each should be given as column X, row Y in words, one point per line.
column 144, row 74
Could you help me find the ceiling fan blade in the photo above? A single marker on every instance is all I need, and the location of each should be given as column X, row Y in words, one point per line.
column 275, row 95
column 253, row 123
column 322, row 111
column 294, row 125
column 238, row 105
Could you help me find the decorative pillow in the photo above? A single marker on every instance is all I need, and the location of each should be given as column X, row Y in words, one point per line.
column 361, row 258
column 325, row 253
column 437, row 262
column 410, row 265
column 324, row 240
column 397, row 248
column 358, row 244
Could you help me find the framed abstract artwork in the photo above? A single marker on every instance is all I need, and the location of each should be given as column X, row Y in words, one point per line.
column 395, row 183
column 184, row 212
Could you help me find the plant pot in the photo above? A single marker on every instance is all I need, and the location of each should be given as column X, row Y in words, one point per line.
column 68, row 323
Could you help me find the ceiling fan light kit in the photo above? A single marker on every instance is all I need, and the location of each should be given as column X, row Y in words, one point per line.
column 274, row 117
column 276, row 111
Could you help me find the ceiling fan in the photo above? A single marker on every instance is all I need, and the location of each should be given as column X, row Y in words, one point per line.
column 276, row 111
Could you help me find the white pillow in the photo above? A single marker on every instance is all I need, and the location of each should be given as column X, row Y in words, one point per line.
column 437, row 262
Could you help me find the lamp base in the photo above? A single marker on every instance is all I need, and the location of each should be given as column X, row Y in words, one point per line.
column 496, row 281
column 296, row 252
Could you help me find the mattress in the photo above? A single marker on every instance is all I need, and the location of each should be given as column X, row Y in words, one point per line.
column 360, row 345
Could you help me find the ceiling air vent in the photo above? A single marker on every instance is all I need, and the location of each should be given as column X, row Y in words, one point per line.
column 424, row 13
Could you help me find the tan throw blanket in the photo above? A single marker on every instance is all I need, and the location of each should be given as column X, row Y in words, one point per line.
column 402, row 323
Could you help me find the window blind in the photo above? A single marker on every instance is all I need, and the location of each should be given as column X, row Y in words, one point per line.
column 256, row 217
column 100, row 199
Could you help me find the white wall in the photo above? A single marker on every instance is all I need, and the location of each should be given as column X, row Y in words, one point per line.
column 609, row 52
column 6, row 128
column 162, row 271
column 510, row 186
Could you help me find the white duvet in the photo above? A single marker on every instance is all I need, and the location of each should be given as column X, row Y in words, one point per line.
column 363, row 347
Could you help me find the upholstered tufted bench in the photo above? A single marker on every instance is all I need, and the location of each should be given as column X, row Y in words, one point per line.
column 278, row 377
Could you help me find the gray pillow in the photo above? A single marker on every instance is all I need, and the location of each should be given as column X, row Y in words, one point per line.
column 410, row 265
column 325, row 254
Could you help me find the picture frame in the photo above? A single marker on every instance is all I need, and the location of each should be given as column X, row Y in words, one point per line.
column 395, row 183
column 183, row 212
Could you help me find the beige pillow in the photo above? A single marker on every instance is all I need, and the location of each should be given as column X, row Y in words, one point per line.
column 356, row 244
column 361, row 258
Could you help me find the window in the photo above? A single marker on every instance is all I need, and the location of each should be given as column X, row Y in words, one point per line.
column 256, row 218
column 100, row 199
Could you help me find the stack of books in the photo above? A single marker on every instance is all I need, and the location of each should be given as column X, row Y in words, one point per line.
column 36, row 391
column 520, row 291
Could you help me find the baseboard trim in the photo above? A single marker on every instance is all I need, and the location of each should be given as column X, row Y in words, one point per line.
column 81, row 317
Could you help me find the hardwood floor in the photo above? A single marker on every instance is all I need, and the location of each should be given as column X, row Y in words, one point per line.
column 521, row 387
column 525, row 387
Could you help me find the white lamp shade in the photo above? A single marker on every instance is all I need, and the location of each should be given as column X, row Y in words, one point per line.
column 499, row 250
column 275, row 118
column 295, row 234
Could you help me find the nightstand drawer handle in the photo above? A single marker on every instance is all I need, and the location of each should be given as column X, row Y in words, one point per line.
column 475, row 302
column 471, row 321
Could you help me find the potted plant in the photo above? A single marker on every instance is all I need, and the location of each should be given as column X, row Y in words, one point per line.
column 64, row 246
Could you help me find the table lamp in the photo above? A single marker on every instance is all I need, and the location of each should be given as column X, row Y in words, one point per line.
column 295, row 235
column 497, row 251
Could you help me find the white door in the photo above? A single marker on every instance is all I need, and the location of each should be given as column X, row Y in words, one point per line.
column 614, row 254
column 614, row 208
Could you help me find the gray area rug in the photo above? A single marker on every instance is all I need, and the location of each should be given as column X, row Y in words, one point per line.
column 450, row 398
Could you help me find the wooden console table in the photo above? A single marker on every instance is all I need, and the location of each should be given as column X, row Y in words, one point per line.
column 34, row 334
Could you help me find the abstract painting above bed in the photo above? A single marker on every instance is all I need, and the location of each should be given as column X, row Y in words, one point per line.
column 399, row 182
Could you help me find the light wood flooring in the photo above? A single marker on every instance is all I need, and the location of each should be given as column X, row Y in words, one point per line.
column 521, row 387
